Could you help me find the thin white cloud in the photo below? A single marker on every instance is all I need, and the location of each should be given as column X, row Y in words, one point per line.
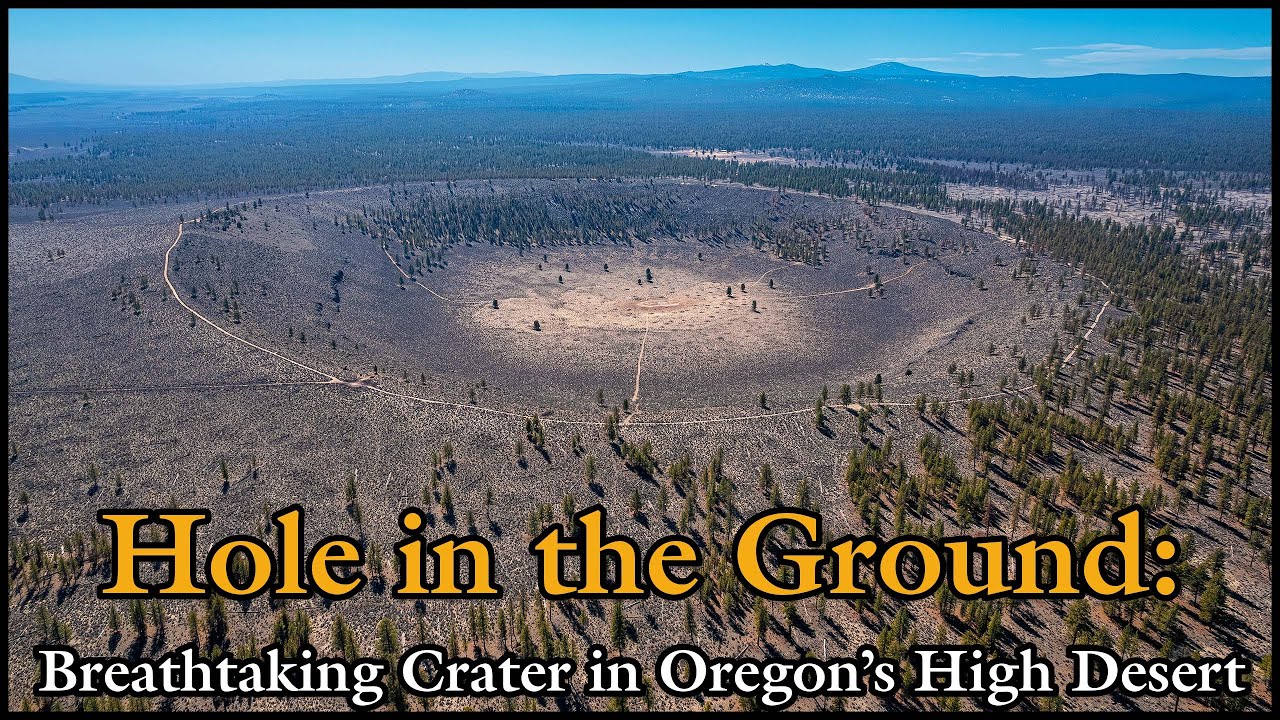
column 1117, row 53
column 990, row 54
column 1096, row 46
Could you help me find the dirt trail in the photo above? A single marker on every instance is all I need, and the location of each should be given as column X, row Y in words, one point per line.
column 439, row 297
column 787, row 298
column 635, row 396
column 178, row 296
column 766, row 274
column 166, row 388
column 332, row 379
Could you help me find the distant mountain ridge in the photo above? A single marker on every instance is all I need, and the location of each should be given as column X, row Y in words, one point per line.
column 888, row 83
column 25, row 84
column 897, row 69
column 429, row 76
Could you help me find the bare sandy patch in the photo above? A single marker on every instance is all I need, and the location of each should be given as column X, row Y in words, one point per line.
column 742, row 156
column 680, row 303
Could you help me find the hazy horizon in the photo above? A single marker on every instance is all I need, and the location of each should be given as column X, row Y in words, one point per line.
column 348, row 79
column 158, row 48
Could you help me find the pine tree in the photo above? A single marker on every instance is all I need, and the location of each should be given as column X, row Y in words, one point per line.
column 617, row 627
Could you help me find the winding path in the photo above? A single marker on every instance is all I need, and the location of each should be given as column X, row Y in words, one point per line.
column 635, row 396
column 330, row 379
column 787, row 298
column 439, row 297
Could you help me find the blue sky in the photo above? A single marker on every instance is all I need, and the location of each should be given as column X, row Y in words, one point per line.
column 204, row 46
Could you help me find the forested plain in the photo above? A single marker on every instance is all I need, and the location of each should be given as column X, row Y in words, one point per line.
column 288, row 141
